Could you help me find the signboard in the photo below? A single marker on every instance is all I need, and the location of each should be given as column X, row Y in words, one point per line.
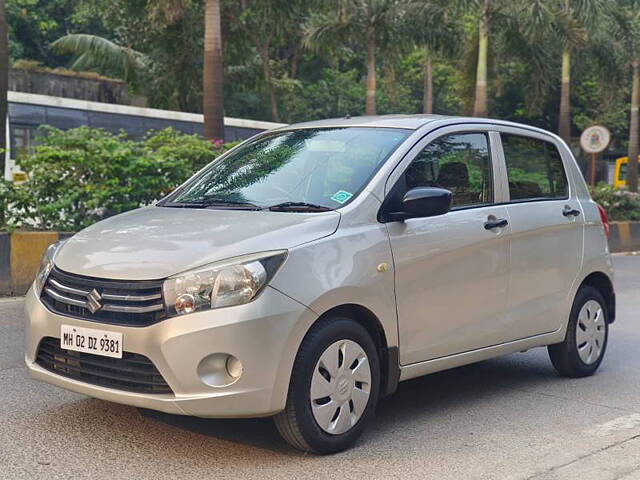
column 595, row 139
column 19, row 177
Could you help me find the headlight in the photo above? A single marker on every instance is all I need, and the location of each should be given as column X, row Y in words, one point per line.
column 221, row 284
column 46, row 264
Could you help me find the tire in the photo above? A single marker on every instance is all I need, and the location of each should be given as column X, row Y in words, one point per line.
column 587, row 331
column 344, row 405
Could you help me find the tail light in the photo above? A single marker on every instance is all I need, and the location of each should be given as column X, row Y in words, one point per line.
column 605, row 221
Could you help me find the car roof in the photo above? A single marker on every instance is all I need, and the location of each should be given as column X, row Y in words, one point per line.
column 412, row 122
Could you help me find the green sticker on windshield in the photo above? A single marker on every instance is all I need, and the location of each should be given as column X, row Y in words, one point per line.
column 341, row 196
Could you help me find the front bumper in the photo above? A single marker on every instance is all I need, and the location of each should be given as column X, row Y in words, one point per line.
column 264, row 334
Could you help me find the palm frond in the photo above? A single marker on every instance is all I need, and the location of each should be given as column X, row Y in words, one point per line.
column 322, row 27
column 94, row 52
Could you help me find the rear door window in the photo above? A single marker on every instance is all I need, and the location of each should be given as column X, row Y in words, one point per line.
column 534, row 169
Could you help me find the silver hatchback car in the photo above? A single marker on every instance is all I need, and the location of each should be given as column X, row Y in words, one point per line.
column 306, row 272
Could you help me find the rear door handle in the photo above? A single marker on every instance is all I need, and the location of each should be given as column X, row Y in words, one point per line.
column 497, row 223
column 570, row 212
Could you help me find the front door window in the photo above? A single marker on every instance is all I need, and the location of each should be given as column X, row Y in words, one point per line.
column 460, row 163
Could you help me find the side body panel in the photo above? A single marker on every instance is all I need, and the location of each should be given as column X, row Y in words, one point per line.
column 588, row 254
column 352, row 266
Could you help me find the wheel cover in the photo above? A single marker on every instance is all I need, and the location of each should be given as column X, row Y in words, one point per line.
column 340, row 387
column 590, row 332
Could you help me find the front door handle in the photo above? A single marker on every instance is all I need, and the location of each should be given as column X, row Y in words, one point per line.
column 497, row 223
column 570, row 212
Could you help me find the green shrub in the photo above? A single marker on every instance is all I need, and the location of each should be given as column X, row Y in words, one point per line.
column 620, row 205
column 80, row 176
column 4, row 202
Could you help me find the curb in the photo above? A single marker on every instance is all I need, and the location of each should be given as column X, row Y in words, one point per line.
column 10, row 299
column 624, row 237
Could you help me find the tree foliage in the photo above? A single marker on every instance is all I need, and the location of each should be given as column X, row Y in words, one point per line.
column 300, row 60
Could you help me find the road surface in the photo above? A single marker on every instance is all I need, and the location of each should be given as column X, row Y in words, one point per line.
column 508, row 418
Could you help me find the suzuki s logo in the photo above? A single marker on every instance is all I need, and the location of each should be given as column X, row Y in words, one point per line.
column 93, row 301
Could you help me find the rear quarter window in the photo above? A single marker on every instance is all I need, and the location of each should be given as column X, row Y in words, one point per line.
column 534, row 169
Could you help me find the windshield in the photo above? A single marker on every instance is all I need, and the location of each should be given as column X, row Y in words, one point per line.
column 307, row 169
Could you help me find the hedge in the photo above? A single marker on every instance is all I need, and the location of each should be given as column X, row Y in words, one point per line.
column 80, row 176
column 620, row 205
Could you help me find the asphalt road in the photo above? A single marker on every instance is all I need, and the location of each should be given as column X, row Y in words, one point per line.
column 508, row 418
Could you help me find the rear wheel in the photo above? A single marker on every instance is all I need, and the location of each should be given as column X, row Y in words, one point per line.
column 584, row 346
column 334, row 388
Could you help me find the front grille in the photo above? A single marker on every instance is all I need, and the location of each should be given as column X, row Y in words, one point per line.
column 132, row 372
column 118, row 302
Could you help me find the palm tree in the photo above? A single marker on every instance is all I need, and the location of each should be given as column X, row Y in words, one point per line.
column 164, row 13
column 436, row 27
column 526, row 40
column 490, row 11
column 356, row 21
column 92, row 52
column 572, row 20
column 4, row 86
column 212, row 76
column 632, row 154
column 480, row 102
column 265, row 23
column 626, row 23
column 545, row 26
column 491, row 14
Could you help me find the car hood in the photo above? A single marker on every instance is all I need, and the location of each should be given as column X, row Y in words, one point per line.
column 156, row 242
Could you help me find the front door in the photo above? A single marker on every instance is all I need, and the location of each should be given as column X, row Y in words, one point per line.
column 451, row 271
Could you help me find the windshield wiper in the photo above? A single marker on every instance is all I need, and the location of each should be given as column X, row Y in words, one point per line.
column 298, row 207
column 214, row 202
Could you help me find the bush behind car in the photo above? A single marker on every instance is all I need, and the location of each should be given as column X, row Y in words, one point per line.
column 82, row 175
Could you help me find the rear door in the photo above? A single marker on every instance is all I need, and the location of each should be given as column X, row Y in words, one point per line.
column 547, row 232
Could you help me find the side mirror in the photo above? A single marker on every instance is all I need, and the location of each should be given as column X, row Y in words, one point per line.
column 424, row 202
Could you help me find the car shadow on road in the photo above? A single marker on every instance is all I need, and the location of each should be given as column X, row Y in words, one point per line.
column 255, row 432
column 423, row 397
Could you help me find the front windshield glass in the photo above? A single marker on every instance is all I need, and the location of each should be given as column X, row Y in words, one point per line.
column 313, row 168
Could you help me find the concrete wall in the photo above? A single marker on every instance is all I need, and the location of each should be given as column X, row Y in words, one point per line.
column 68, row 86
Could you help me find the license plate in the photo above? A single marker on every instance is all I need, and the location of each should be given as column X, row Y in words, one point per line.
column 90, row 340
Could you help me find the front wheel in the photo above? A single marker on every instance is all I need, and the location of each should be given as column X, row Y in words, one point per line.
column 334, row 387
column 583, row 349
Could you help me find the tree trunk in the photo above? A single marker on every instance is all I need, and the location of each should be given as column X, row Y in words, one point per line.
column 295, row 56
column 370, row 104
column 212, row 76
column 632, row 166
column 266, row 72
column 427, row 93
column 4, row 86
column 480, row 104
column 564, row 120
column 393, row 85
